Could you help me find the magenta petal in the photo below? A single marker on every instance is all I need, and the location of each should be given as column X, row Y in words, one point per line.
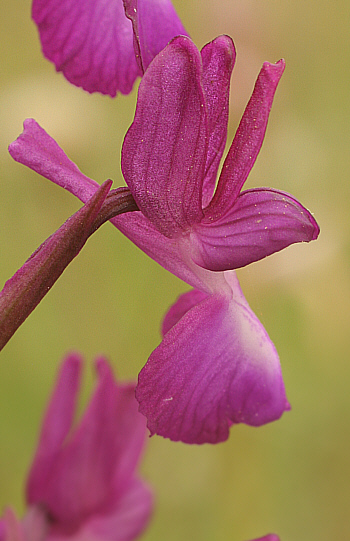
column 91, row 42
column 260, row 223
column 164, row 151
column 38, row 151
column 218, row 58
column 56, row 426
column 128, row 432
column 215, row 367
column 155, row 23
column 248, row 139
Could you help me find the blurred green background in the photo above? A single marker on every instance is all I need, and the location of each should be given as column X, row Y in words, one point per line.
column 290, row 477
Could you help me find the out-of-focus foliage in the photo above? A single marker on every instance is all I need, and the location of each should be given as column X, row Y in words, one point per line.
column 292, row 476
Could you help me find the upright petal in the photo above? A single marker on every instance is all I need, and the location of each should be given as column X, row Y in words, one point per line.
column 248, row 139
column 261, row 222
column 155, row 23
column 218, row 59
column 56, row 426
column 129, row 432
column 91, row 42
column 164, row 151
column 215, row 367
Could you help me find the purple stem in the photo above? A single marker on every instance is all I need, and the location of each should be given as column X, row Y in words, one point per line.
column 27, row 287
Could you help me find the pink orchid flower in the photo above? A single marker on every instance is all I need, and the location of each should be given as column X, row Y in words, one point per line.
column 216, row 365
column 91, row 41
column 82, row 484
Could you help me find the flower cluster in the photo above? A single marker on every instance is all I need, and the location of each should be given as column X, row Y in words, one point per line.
column 216, row 365
column 82, row 483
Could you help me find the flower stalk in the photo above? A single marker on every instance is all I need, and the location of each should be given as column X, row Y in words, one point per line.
column 23, row 292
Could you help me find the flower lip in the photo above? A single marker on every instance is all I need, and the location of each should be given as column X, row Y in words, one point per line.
column 215, row 367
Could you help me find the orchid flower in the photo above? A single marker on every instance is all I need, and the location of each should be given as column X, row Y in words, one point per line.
column 82, row 484
column 216, row 365
column 91, row 41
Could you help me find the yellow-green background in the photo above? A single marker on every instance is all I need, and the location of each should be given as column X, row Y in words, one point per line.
column 291, row 477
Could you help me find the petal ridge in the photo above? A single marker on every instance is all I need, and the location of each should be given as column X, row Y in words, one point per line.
column 164, row 151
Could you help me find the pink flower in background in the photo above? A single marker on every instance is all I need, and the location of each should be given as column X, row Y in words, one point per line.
column 82, row 484
column 91, row 41
column 269, row 537
column 216, row 365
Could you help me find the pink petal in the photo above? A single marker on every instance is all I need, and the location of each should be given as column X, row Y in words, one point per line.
column 248, row 140
column 269, row 537
column 155, row 23
column 56, row 426
column 215, row 367
column 218, row 58
column 260, row 223
column 98, row 460
column 91, row 42
column 38, row 151
column 164, row 151
column 126, row 520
